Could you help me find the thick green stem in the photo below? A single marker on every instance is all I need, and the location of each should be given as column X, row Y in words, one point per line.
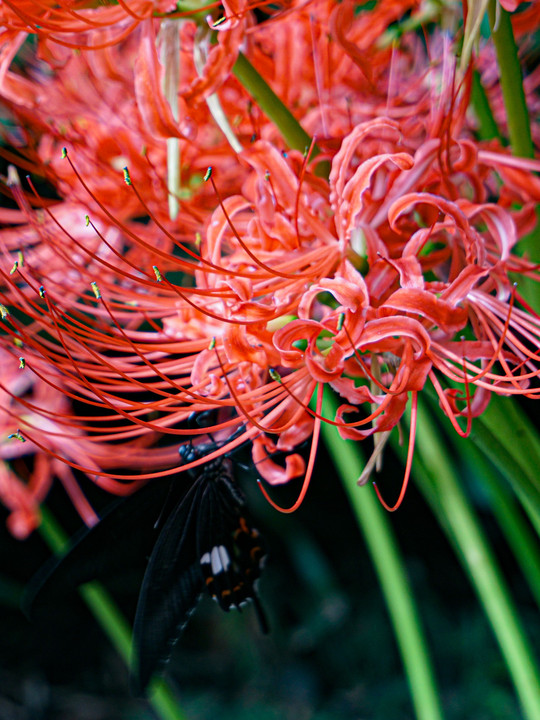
column 435, row 470
column 293, row 133
column 374, row 524
column 112, row 621
column 519, row 127
column 487, row 126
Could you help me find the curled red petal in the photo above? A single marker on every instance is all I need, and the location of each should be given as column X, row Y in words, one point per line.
column 272, row 472
column 448, row 317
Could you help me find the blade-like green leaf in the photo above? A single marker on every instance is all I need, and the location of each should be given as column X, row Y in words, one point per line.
column 437, row 475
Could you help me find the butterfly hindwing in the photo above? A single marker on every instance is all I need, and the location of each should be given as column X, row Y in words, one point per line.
column 231, row 552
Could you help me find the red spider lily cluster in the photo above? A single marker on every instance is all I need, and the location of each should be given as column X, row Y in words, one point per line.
column 189, row 261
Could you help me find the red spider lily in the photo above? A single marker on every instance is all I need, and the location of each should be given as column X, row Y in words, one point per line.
column 145, row 326
column 106, row 116
column 54, row 21
column 88, row 25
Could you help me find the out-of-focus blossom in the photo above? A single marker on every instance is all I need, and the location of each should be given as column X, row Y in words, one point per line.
column 80, row 24
column 26, row 473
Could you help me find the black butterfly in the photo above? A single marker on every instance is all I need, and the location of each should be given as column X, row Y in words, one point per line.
column 200, row 540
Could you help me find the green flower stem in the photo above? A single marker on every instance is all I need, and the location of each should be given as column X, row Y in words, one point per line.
column 435, row 470
column 506, row 437
column 519, row 127
column 111, row 621
column 377, row 532
column 293, row 133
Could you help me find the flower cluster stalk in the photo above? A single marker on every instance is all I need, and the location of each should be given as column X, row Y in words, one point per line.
column 519, row 126
column 382, row 546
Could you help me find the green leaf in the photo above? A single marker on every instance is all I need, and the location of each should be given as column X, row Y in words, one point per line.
column 435, row 470
column 507, row 438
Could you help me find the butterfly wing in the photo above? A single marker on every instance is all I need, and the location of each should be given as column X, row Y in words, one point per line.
column 206, row 543
column 203, row 540
column 115, row 545
column 171, row 587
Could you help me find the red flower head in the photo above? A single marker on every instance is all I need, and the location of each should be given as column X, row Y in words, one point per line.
column 271, row 282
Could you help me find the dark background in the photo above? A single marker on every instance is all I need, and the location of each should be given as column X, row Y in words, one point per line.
column 331, row 652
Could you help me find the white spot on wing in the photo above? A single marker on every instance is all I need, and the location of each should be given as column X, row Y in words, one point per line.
column 219, row 558
column 224, row 555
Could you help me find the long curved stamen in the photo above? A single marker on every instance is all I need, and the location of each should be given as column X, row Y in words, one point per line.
column 205, row 311
column 272, row 270
column 498, row 351
column 139, row 354
column 125, row 484
column 445, row 404
column 156, row 251
column 305, row 162
column 410, row 454
column 76, row 495
column 100, row 359
column 315, row 414
column 97, row 46
column 66, row 256
column 389, row 391
column 467, row 393
column 103, row 396
column 510, row 341
column 310, row 466
column 171, row 237
column 130, row 11
column 239, row 403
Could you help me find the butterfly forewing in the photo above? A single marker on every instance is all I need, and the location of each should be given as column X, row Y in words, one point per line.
column 117, row 544
column 171, row 587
